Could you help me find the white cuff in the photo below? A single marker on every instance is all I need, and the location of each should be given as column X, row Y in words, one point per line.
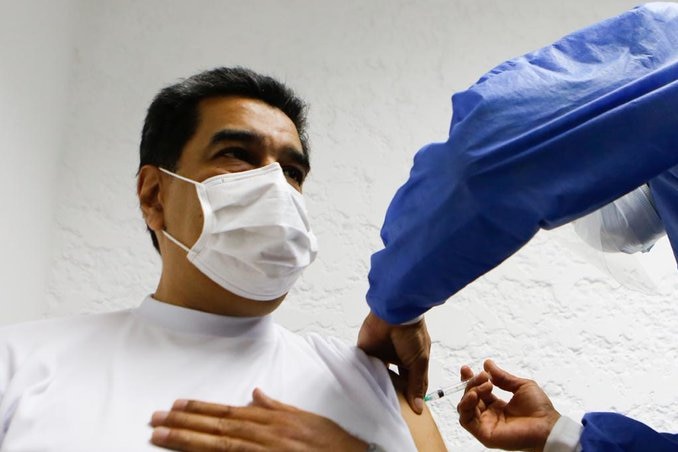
column 413, row 321
column 564, row 436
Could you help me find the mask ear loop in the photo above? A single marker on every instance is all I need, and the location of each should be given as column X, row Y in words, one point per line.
column 185, row 179
column 175, row 241
column 167, row 234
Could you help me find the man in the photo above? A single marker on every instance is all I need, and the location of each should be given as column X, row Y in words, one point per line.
column 223, row 161
column 539, row 141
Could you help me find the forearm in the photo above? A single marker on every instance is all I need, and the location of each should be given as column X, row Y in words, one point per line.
column 540, row 141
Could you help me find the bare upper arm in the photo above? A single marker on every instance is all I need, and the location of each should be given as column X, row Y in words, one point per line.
column 422, row 426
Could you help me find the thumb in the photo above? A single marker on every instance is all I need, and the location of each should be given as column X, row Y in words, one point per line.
column 413, row 346
column 262, row 400
column 502, row 379
column 417, row 382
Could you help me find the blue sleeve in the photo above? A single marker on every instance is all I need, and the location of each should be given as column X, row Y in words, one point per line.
column 612, row 432
column 537, row 142
column 665, row 195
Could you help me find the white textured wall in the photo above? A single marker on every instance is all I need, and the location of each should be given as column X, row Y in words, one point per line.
column 378, row 75
column 35, row 63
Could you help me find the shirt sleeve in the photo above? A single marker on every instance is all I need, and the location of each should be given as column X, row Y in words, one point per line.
column 537, row 142
column 564, row 436
column 616, row 433
column 363, row 377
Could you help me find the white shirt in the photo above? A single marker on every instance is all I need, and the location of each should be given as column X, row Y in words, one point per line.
column 564, row 436
column 92, row 382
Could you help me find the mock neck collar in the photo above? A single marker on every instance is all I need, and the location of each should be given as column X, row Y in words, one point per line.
column 191, row 321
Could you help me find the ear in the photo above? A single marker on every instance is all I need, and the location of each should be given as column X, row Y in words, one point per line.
column 148, row 190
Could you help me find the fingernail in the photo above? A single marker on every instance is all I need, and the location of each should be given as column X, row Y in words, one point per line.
column 419, row 404
column 159, row 417
column 180, row 404
column 160, row 434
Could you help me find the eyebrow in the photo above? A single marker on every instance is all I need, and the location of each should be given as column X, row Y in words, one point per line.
column 247, row 136
column 236, row 135
column 297, row 157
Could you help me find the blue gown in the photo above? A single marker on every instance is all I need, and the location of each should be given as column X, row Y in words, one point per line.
column 537, row 142
column 611, row 432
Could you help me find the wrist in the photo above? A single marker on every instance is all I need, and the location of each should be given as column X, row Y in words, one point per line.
column 564, row 436
column 417, row 319
column 397, row 319
column 547, row 424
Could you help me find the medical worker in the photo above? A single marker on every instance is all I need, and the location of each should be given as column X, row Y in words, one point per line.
column 537, row 142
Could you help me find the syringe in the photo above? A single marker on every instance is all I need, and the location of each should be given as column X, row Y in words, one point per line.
column 442, row 392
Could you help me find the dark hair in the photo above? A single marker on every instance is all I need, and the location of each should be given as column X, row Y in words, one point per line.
column 173, row 116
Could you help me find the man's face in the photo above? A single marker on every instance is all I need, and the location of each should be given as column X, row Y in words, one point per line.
column 234, row 134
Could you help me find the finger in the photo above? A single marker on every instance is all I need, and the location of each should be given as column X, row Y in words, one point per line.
column 485, row 393
column 503, row 379
column 262, row 400
column 404, row 375
column 404, row 379
column 481, row 378
column 188, row 441
column 484, row 388
column 251, row 413
column 374, row 339
column 414, row 348
column 219, row 426
column 467, row 408
column 416, row 385
column 477, row 380
column 465, row 373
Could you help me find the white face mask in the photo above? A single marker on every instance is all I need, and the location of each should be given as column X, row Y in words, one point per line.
column 628, row 224
column 256, row 239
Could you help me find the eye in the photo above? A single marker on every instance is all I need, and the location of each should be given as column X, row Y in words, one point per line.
column 294, row 173
column 234, row 153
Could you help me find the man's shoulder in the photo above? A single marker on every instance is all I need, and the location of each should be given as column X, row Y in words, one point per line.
column 339, row 356
column 37, row 330
column 340, row 353
column 318, row 342
column 47, row 340
column 323, row 345
column 333, row 343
